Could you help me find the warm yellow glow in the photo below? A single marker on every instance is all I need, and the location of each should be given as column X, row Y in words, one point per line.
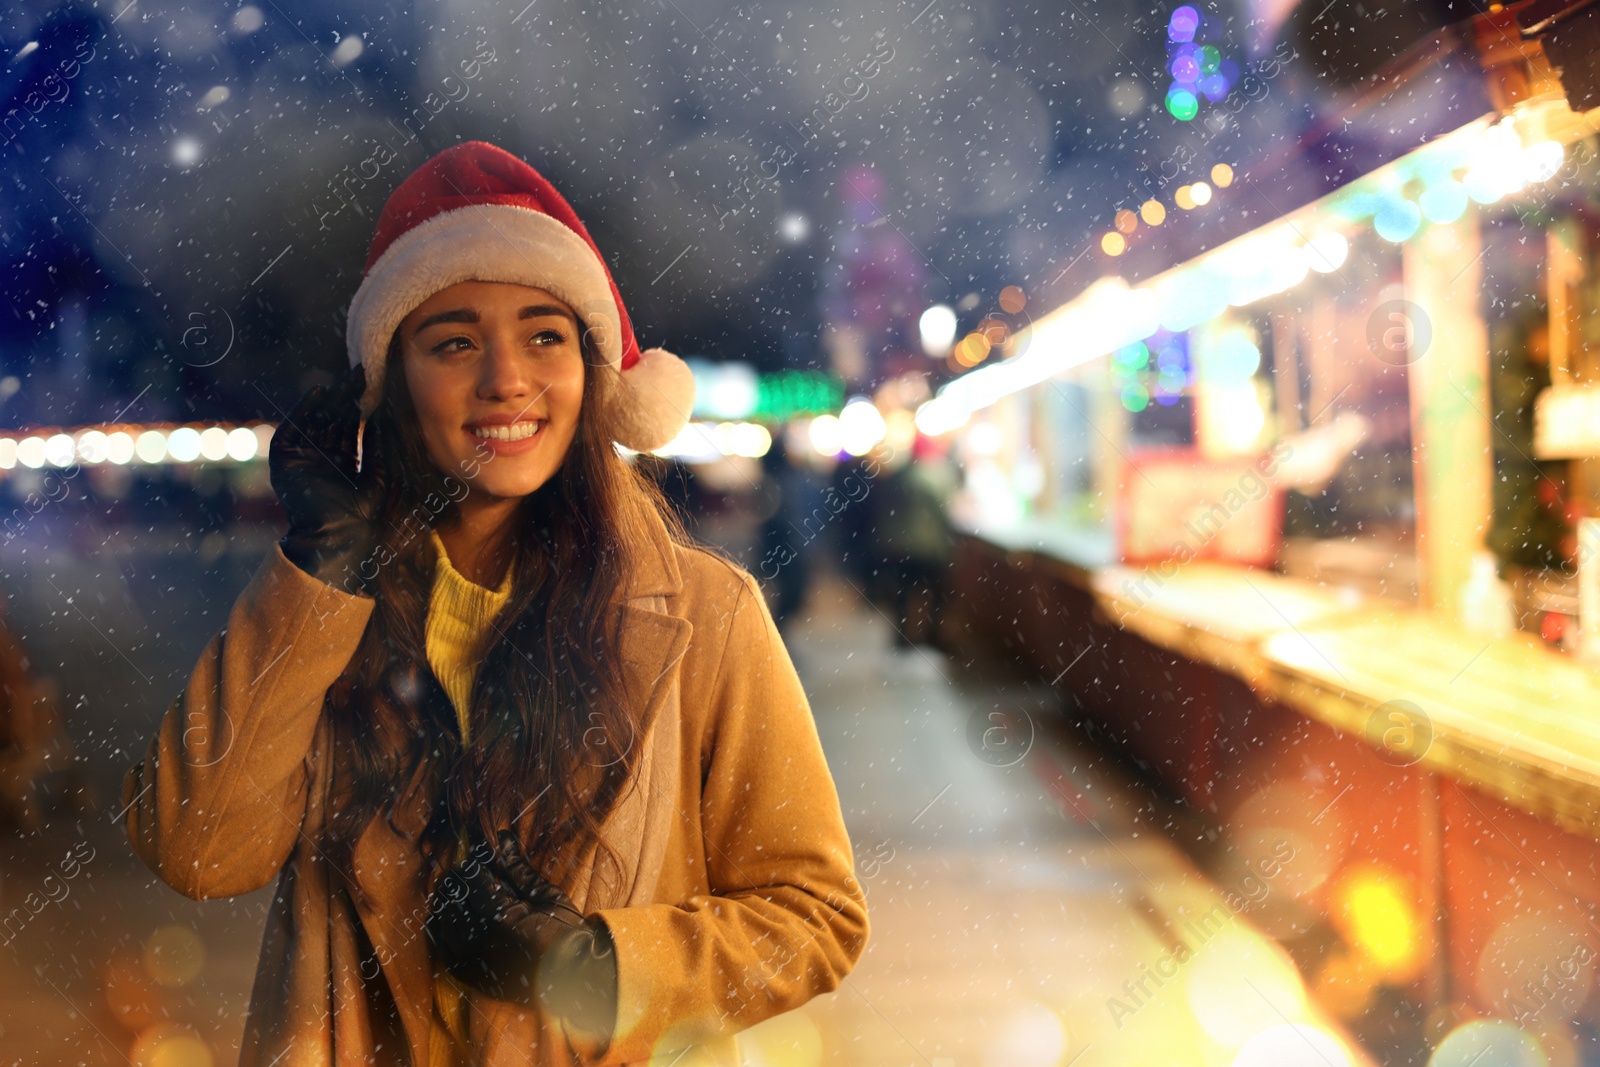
column 1200, row 192
column 972, row 349
column 1377, row 912
column 1113, row 244
column 826, row 436
column 1222, row 175
column 174, row 955
column 1294, row 1043
column 1127, row 221
column 1154, row 212
column 151, row 446
column 169, row 1045
column 1239, row 983
column 1231, row 418
column 787, row 1040
column 1346, row 984
column 1184, row 198
column 119, row 447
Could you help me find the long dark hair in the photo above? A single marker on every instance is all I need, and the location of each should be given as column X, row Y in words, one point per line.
column 553, row 733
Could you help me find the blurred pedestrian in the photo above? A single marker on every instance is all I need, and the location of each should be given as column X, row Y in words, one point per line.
column 913, row 528
column 787, row 555
column 538, row 774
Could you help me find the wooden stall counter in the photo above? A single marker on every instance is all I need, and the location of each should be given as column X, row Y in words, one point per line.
column 1507, row 715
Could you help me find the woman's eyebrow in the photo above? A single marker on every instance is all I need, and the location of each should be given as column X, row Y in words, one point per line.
column 456, row 315
column 536, row 311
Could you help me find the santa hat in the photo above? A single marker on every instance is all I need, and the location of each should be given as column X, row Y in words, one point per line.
column 476, row 212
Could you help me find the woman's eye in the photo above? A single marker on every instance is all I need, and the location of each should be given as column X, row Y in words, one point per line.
column 448, row 345
column 548, row 337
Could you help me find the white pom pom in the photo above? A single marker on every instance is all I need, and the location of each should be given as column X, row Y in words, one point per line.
column 657, row 397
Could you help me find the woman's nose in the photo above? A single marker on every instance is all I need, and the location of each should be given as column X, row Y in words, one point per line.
column 503, row 373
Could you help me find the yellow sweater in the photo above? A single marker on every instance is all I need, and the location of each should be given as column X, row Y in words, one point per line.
column 460, row 613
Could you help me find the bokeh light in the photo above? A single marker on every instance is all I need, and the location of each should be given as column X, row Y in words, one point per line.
column 1326, row 251
column 241, row 444
column 174, row 955
column 972, row 349
column 1153, row 212
column 30, row 452
column 861, row 426
column 1537, row 967
column 1377, row 911
column 213, row 444
column 1113, row 244
column 1445, row 201
column 170, row 1045
column 1397, row 220
column 1488, row 1043
column 183, row 444
column 787, row 1040
column 60, row 450
column 826, row 436
column 1028, row 1035
column 1222, row 175
column 1294, row 1045
column 1240, row 983
column 119, row 447
column 1183, row 24
column 1182, row 104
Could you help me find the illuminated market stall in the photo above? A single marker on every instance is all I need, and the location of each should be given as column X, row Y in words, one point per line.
column 1306, row 526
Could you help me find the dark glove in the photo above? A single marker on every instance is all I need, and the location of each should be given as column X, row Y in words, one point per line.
column 332, row 509
column 507, row 932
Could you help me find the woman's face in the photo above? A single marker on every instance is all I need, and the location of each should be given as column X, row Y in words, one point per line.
column 496, row 375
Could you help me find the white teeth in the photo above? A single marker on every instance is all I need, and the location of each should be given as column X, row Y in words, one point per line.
column 519, row 431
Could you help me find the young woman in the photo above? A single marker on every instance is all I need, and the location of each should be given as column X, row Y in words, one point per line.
column 535, row 774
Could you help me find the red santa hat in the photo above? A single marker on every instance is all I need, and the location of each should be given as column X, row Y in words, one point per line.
column 476, row 212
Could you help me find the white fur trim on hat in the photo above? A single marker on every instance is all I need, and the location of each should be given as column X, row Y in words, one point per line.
column 658, row 396
column 488, row 243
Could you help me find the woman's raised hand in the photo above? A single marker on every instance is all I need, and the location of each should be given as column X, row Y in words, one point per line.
column 332, row 508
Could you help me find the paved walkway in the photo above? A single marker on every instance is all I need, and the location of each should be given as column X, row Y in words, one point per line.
column 1023, row 910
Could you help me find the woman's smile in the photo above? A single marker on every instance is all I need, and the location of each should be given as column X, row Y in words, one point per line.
column 508, row 438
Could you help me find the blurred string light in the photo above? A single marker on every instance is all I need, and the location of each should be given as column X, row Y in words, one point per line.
column 95, row 446
column 1482, row 160
column 1199, row 72
column 704, row 442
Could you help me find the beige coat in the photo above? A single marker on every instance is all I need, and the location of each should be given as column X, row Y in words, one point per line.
column 755, row 911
